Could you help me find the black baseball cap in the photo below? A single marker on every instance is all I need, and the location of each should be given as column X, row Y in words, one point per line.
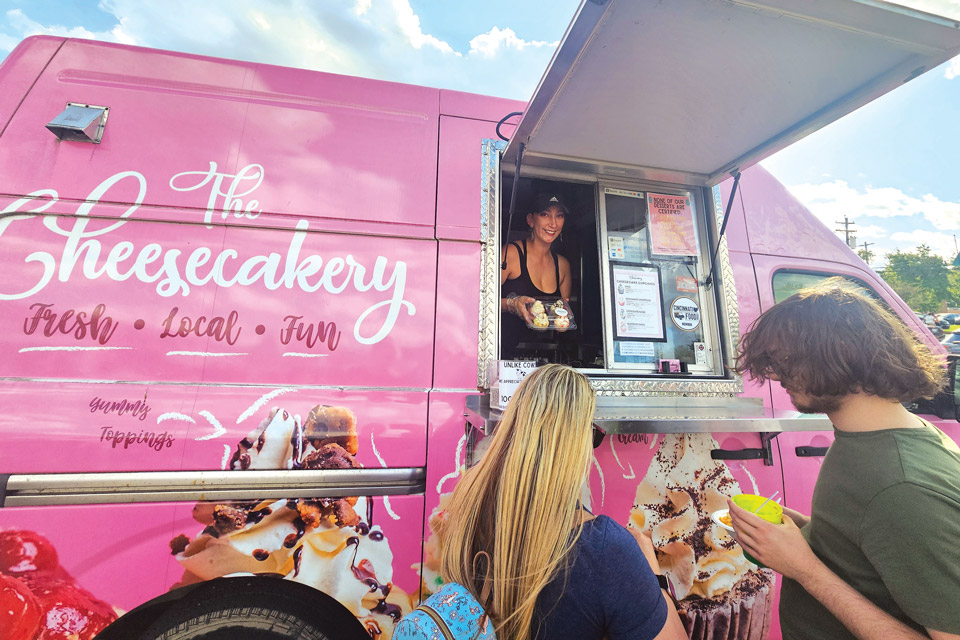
column 546, row 200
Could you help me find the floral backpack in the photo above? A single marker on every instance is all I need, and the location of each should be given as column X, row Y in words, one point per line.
column 450, row 614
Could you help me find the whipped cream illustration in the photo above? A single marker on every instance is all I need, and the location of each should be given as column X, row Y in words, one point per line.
column 321, row 542
column 682, row 488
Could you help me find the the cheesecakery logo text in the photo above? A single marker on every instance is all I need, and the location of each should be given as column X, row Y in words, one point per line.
column 92, row 249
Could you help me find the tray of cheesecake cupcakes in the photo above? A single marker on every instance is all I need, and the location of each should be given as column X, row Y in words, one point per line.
column 550, row 314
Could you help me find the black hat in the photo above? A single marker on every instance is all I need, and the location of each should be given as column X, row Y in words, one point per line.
column 546, row 200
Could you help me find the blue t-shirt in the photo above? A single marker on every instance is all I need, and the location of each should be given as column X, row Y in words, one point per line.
column 610, row 591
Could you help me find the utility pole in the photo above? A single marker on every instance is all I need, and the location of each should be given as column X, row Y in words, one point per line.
column 866, row 254
column 849, row 238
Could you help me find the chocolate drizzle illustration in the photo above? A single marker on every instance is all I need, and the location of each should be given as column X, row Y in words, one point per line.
column 240, row 456
column 391, row 610
column 296, row 561
column 291, row 540
column 254, row 517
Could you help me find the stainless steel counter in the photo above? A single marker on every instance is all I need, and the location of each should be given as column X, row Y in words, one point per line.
column 673, row 415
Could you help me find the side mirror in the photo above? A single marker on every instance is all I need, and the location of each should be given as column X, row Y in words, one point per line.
column 945, row 404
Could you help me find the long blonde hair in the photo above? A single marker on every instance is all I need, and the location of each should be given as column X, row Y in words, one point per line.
column 520, row 502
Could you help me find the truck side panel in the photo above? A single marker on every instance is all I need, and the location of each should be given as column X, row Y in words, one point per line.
column 240, row 278
column 21, row 69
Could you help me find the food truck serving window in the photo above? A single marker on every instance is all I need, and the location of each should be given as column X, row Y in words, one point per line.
column 636, row 255
column 658, row 318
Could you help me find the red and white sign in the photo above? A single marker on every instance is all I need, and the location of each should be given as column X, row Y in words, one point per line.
column 671, row 225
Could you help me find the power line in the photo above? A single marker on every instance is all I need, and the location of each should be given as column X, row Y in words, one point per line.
column 849, row 238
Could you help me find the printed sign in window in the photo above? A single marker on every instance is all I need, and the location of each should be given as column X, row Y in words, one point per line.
column 685, row 313
column 671, row 225
column 637, row 305
column 686, row 284
column 700, row 353
column 642, row 349
column 615, row 244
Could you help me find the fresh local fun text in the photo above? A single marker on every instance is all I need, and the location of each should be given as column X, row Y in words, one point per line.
column 177, row 272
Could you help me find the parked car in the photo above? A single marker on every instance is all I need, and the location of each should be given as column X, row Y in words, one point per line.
column 952, row 321
column 952, row 343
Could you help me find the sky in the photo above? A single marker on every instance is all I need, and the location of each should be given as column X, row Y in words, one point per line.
column 891, row 167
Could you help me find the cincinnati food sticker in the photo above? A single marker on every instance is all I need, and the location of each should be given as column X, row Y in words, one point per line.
column 685, row 313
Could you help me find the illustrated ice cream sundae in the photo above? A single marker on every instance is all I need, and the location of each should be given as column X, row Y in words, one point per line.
column 330, row 544
column 721, row 595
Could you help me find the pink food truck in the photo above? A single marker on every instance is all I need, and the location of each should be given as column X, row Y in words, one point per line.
column 252, row 314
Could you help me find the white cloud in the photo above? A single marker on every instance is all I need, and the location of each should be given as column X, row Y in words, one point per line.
column 831, row 201
column 381, row 39
column 943, row 244
column 409, row 24
column 363, row 6
column 7, row 43
column 490, row 44
column 870, row 231
column 953, row 69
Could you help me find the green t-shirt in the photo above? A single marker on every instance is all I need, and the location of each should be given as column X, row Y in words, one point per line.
column 886, row 519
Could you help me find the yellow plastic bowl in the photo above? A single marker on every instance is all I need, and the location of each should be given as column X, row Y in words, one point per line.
column 771, row 512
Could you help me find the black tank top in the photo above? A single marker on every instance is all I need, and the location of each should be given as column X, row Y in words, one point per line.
column 522, row 285
column 513, row 329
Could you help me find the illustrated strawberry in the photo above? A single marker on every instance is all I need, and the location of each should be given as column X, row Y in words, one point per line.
column 24, row 551
column 19, row 610
column 69, row 612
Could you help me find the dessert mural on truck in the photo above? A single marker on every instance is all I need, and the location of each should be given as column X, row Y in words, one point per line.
column 721, row 595
column 39, row 599
column 334, row 545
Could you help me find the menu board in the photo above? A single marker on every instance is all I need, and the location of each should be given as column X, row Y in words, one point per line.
column 671, row 225
column 637, row 303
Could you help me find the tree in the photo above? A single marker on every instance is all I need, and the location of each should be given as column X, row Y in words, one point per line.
column 921, row 278
column 865, row 254
column 954, row 277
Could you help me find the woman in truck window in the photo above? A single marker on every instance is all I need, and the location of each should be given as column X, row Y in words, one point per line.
column 556, row 571
column 533, row 270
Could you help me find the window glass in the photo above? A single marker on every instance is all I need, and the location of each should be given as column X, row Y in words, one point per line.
column 787, row 283
column 656, row 306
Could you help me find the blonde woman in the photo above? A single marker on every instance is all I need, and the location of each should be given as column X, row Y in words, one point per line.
column 555, row 570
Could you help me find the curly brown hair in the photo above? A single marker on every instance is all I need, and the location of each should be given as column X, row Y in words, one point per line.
column 832, row 339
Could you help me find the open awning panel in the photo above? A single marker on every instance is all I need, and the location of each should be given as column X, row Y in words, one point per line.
column 689, row 90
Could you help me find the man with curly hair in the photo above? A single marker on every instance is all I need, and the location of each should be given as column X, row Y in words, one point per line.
column 879, row 556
